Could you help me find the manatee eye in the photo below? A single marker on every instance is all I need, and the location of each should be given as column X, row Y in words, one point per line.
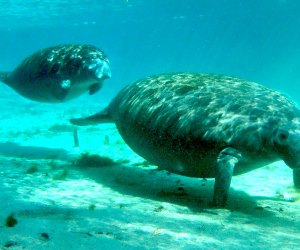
column 281, row 136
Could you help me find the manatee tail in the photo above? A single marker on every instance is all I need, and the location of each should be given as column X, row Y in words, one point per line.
column 3, row 76
column 101, row 117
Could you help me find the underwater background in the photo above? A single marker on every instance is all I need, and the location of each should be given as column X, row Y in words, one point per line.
column 255, row 40
column 61, row 202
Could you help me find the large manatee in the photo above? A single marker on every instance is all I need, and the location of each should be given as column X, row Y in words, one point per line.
column 207, row 126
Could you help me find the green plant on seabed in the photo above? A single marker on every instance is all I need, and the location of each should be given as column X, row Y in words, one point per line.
column 93, row 160
column 32, row 169
column 92, row 207
column 61, row 176
column 11, row 221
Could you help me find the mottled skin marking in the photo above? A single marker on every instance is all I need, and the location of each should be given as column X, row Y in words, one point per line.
column 59, row 73
column 207, row 126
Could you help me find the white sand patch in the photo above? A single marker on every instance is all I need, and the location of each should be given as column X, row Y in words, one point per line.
column 129, row 205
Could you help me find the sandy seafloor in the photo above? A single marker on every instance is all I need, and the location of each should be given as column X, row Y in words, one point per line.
column 129, row 205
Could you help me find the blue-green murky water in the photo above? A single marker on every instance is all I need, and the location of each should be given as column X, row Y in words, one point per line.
column 140, row 209
column 256, row 40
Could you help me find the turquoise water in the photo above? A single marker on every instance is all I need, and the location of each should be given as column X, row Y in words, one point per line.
column 255, row 40
column 129, row 205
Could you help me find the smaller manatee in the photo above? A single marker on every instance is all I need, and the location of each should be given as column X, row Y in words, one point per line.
column 59, row 73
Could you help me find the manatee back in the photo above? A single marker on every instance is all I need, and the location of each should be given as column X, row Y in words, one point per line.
column 217, row 109
column 59, row 61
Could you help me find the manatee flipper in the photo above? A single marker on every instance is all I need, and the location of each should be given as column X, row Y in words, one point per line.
column 226, row 162
column 102, row 117
column 296, row 177
column 3, row 76
column 61, row 89
column 94, row 88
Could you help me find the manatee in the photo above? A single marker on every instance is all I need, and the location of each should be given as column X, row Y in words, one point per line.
column 59, row 73
column 207, row 126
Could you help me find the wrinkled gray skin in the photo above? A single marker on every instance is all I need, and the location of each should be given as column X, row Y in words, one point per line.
column 59, row 73
column 206, row 126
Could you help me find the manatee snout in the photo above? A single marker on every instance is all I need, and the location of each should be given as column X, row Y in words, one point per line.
column 100, row 68
column 287, row 142
column 292, row 157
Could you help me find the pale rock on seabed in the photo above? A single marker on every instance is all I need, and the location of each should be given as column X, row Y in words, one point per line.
column 130, row 205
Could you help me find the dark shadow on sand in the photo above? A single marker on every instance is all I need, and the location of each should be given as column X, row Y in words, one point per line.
column 10, row 149
column 162, row 186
